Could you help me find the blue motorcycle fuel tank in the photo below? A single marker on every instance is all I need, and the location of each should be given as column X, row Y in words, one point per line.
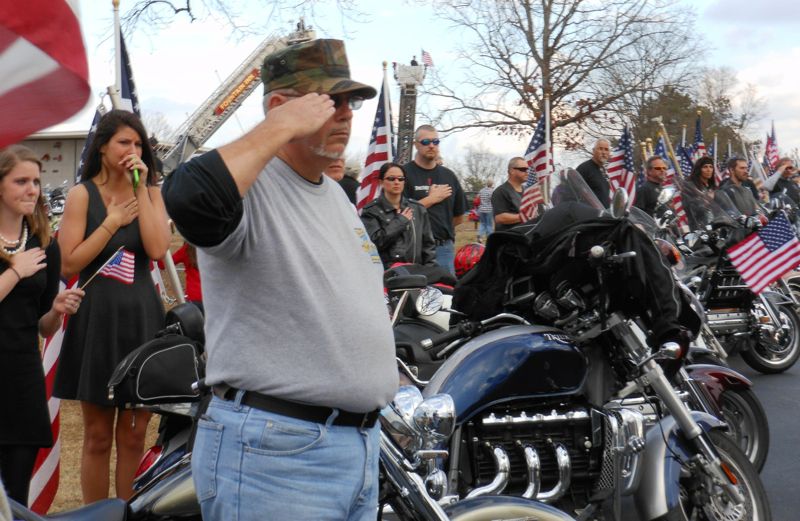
column 508, row 364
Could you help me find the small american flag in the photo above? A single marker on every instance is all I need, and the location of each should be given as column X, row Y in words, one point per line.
column 426, row 58
column 766, row 255
column 536, row 157
column 771, row 150
column 120, row 267
column 699, row 146
column 621, row 172
column 379, row 151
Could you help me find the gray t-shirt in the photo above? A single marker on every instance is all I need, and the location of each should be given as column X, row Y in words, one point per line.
column 294, row 299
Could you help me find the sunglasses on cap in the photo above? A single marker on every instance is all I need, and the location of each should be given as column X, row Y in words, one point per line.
column 392, row 179
column 425, row 142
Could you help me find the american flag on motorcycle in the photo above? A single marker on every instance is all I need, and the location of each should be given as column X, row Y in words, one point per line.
column 621, row 172
column 536, row 157
column 763, row 257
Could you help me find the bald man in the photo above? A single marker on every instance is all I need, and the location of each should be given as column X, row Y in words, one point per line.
column 594, row 173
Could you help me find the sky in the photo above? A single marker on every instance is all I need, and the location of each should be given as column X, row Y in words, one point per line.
column 178, row 67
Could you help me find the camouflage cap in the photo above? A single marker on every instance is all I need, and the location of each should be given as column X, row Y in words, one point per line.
column 315, row 66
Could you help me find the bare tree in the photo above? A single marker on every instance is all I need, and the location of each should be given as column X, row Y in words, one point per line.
column 158, row 14
column 477, row 166
column 733, row 104
column 157, row 125
column 588, row 56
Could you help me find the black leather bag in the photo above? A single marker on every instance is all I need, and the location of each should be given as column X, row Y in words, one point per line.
column 160, row 371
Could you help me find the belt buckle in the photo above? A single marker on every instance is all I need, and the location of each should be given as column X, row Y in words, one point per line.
column 365, row 419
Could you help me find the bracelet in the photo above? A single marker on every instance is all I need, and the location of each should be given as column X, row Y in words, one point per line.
column 103, row 226
column 19, row 277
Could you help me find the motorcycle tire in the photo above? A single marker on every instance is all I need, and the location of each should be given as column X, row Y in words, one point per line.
column 749, row 483
column 766, row 360
column 747, row 424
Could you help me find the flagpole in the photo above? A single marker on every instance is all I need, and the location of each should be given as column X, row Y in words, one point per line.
column 668, row 143
column 387, row 110
column 546, row 188
column 114, row 90
column 715, row 150
column 683, row 135
column 649, row 145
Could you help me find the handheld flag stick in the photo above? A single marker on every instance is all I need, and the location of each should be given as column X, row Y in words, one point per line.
column 101, row 267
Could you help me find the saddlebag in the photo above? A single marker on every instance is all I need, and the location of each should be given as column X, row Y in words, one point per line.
column 160, row 371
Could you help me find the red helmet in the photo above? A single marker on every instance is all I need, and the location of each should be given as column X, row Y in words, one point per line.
column 467, row 256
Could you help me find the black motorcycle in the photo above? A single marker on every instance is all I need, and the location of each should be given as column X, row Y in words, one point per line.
column 546, row 411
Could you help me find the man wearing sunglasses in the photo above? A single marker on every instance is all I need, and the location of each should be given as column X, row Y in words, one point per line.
column 439, row 190
column 300, row 350
column 594, row 172
column 507, row 198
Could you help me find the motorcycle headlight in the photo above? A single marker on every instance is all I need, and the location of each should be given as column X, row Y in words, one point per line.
column 435, row 418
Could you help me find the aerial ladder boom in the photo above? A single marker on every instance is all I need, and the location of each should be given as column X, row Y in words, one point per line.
column 224, row 101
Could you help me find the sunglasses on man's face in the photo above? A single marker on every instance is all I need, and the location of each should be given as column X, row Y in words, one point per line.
column 520, row 168
column 392, row 179
column 425, row 142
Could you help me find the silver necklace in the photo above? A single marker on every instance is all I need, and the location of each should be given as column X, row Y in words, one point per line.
column 20, row 243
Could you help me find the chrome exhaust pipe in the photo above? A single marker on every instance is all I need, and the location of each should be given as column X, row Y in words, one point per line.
column 564, row 476
column 534, row 471
column 500, row 481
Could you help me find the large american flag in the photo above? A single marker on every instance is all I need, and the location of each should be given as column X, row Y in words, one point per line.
column 536, row 157
column 379, row 151
column 620, row 169
column 685, row 160
column 766, row 255
column 699, row 146
column 45, row 77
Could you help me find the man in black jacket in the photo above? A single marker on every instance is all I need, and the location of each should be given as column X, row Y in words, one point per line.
column 594, row 172
column 399, row 226
column 647, row 194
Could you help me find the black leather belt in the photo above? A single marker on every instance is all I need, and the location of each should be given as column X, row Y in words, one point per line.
column 439, row 242
column 300, row 411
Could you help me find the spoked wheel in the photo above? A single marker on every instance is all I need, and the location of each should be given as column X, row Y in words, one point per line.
column 703, row 500
column 776, row 356
column 747, row 424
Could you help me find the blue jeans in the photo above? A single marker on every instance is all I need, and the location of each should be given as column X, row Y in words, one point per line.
column 486, row 221
column 250, row 465
column 446, row 255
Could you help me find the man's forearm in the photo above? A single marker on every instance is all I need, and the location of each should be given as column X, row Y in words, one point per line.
column 508, row 218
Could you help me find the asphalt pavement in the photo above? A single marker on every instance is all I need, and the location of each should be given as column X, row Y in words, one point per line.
column 780, row 396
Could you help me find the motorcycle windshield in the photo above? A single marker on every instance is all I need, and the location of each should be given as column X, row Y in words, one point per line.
column 569, row 186
column 704, row 209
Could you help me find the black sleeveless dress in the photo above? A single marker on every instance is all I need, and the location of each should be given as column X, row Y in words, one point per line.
column 120, row 312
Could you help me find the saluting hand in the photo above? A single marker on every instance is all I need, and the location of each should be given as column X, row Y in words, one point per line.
column 302, row 116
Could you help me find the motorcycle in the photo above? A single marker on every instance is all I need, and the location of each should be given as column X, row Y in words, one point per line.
column 533, row 420
column 763, row 328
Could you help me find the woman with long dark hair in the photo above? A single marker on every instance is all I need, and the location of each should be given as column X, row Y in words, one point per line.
column 702, row 176
column 30, row 305
column 117, row 207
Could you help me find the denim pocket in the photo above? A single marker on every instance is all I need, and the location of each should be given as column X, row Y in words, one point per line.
column 205, row 456
column 281, row 437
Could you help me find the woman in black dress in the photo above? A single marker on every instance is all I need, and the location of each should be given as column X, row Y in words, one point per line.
column 117, row 204
column 30, row 304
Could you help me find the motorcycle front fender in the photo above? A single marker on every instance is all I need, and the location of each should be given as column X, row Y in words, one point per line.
column 776, row 299
column 504, row 507
column 659, row 489
column 717, row 379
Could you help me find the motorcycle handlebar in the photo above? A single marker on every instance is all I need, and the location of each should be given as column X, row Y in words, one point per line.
column 461, row 330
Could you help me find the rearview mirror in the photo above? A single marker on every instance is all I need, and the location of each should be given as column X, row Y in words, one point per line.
column 666, row 195
column 619, row 203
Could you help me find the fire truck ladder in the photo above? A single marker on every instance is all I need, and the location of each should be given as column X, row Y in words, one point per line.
column 224, row 101
column 408, row 77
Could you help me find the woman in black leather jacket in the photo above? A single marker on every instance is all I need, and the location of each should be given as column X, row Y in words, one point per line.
column 399, row 227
